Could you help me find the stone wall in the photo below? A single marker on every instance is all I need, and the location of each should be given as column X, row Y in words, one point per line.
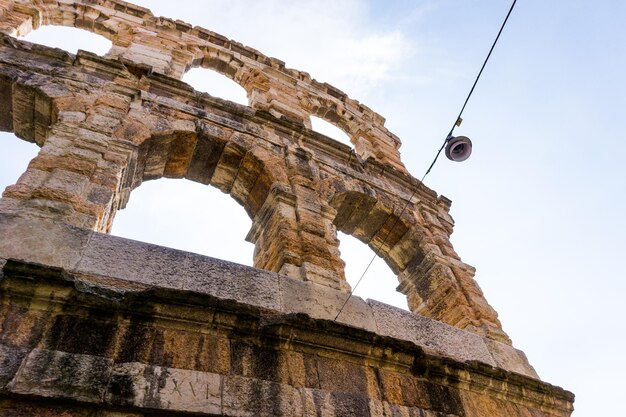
column 105, row 126
column 72, row 296
column 116, row 324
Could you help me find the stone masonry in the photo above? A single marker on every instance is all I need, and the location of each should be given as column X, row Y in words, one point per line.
column 94, row 325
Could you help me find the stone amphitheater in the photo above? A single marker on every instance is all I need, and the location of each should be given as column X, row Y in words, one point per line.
column 100, row 326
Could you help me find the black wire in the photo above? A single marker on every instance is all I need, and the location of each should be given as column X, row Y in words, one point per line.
column 377, row 251
column 456, row 122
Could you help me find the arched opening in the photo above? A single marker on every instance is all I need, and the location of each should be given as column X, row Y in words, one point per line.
column 189, row 216
column 330, row 130
column 363, row 216
column 69, row 39
column 216, row 84
column 379, row 282
column 15, row 154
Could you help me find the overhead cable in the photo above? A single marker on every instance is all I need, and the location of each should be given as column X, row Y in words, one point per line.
column 457, row 122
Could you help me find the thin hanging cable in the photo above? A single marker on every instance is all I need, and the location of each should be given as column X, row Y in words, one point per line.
column 457, row 122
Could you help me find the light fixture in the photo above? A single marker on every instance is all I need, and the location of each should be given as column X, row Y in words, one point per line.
column 459, row 148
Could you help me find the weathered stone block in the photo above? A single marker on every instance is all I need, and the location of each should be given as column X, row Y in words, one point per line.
column 47, row 373
column 248, row 397
column 509, row 358
column 349, row 404
column 165, row 388
column 132, row 261
column 10, row 360
column 429, row 334
column 74, row 333
column 321, row 302
column 161, row 267
column 41, row 241
column 230, row 281
column 339, row 376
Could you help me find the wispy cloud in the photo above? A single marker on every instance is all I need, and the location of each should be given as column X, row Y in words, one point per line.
column 325, row 38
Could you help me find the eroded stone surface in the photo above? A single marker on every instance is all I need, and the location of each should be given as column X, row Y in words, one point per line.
column 135, row 384
column 46, row 373
column 325, row 303
column 432, row 335
column 10, row 360
column 178, row 353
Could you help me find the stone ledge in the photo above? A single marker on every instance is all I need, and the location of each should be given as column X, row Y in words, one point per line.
column 509, row 358
column 435, row 337
column 41, row 241
column 157, row 266
column 109, row 265
column 324, row 303
column 92, row 379
column 146, row 387
column 271, row 359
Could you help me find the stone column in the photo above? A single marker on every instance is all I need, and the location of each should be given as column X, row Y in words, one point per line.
column 70, row 181
column 296, row 238
column 80, row 170
column 444, row 289
column 441, row 286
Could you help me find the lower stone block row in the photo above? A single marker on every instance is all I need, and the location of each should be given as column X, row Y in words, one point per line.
column 97, row 380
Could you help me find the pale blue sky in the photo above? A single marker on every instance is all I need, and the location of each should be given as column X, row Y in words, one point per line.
column 539, row 205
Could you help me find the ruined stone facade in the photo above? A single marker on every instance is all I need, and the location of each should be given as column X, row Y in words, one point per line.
column 94, row 325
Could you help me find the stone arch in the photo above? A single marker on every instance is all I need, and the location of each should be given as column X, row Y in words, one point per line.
column 69, row 39
column 364, row 127
column 225, row 63
column 23, row 18
column 437, row 284
column 233, row 163
column 328, row 129
column 268, row 87
column 332, row 112
column 189, row 216
column 216, row 85
column 384, row 229
column 230, row 165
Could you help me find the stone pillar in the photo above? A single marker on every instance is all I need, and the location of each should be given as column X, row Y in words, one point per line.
column 72, row 180
column 317, row 233
column 297, row 239
column 444, row 289
column 80, row 170
column 322, row 262
column 441, row 286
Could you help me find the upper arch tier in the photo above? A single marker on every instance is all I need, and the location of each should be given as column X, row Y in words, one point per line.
column 171, row 47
